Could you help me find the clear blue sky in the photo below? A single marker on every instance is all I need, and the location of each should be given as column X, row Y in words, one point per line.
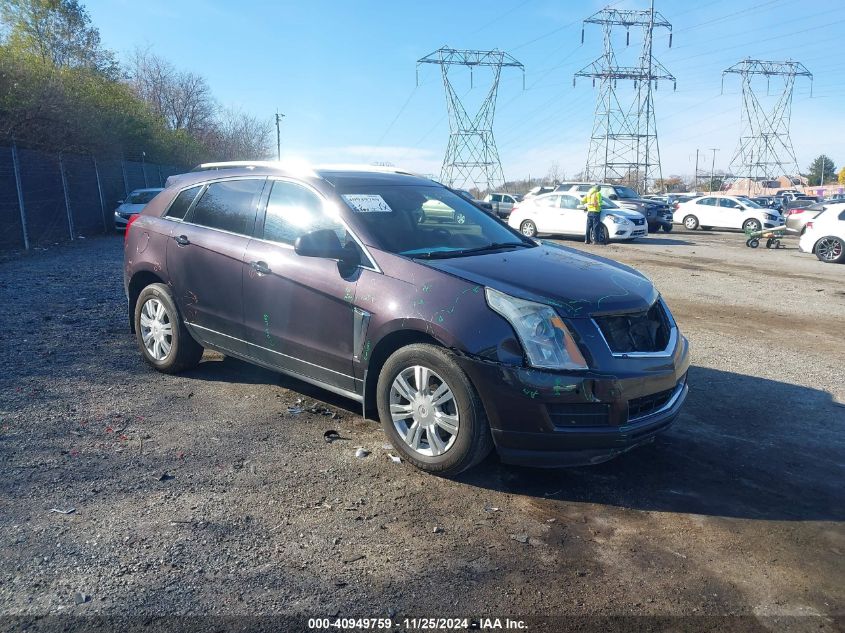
column 344, row 72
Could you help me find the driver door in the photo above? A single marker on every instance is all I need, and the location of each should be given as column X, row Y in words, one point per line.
column 298, row 311
column 730, row 213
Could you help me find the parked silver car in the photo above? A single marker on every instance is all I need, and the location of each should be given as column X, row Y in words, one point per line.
column 502, row 203
column 133, row 205
column 797, row 218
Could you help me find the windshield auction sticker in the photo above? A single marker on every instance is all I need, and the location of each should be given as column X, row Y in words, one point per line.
column 367, row 203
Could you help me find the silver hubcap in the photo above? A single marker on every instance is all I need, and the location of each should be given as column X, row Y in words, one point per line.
column 752, row 226
column 528, row 229
column 424, row 411
column 690, row 223
column 156, row 329
column 460, row 218
column 829, row 249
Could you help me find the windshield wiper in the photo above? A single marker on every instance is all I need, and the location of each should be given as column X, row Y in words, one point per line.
column 472, row 251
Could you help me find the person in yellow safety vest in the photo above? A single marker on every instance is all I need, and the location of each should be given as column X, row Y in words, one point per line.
column 593, row 203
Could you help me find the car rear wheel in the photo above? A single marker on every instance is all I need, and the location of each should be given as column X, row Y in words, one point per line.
column 752, row 225
column 691, row 222
column 162, row 337
column 528, row 228
column 431, row 412
column 460, row 218
column 830, row 250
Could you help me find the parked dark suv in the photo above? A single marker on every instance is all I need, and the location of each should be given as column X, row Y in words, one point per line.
column 462, row 336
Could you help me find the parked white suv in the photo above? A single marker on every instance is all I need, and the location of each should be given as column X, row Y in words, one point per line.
column 725, row 212
column 825, row 235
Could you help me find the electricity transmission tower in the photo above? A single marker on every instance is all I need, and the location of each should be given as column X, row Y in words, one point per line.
column 765, row 149
column 471, row 156
column 623, row 144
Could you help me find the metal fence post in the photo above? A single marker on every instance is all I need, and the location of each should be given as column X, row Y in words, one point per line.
column 100, row 192
column 125, row 178
column 67, row 197
column 160, row 181
column 17, row 169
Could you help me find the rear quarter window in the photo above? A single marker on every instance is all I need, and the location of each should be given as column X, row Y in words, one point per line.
column 180, row 205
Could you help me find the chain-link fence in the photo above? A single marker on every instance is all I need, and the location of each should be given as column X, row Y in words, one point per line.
column 47, row 197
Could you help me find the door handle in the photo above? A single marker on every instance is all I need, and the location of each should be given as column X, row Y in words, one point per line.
column 261, row 268
column 182, row 240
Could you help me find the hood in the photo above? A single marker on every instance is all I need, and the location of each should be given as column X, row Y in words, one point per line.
column 131, row 208
column 623, row 212
column 578, row 284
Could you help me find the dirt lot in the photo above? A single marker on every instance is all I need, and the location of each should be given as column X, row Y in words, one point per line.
column 202, row 495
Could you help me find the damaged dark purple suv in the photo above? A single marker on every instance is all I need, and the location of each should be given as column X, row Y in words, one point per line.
column 397, row 292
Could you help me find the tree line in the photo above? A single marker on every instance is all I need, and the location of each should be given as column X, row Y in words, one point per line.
column 62, row 90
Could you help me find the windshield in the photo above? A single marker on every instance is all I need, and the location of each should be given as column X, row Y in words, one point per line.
column 626, row 192
column 426, row 221
column 748, row 202
column 141, row 197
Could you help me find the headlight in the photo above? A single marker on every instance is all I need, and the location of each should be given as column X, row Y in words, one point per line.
column 769, row 216
column 616, row 219
column 544, row 336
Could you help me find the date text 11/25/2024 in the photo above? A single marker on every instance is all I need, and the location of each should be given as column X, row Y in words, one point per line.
column 417, row 624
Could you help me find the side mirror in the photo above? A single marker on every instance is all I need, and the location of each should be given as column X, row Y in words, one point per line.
column 613, row 196
column 325, row 243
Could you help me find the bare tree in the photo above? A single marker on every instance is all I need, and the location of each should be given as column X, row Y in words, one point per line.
column 555, row 175
column 240, row 136
column 183, row 99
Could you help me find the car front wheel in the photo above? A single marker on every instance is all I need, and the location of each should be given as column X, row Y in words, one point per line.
column 830, row 250
column 752, row 225
column 667, row 228
column 431, row 412
column 528, row 228
column 162, row 337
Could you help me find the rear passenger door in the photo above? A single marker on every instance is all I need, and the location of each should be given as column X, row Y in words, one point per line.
column 298, row 311
column 706, row 212
column 205, row 257
column 573, row 220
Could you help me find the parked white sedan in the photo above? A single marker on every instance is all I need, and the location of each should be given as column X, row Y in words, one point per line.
column 133, row 205
column 559, row 214
column 825, row 235
column 725, row 212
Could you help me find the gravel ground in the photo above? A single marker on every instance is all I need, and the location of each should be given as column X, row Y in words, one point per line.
column 203, row 494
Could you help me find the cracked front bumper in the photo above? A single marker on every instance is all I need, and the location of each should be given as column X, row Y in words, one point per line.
column 551, row 419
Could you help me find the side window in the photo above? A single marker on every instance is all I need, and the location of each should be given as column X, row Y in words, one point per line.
column 229, row 205
column 727, row 202
column 608, row 191
column 496, row 198
column 842, row 215
column 584, row 188
column 508, row 199
column 550, row 201
column 568, row 202
column 180, row 205
column 294, row 210
column 708, row 201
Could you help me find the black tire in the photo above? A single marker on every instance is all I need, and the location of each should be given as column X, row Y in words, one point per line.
column 473, row 441
column 528, row 228
column 667, row 228
column 691, row 222
column 830, row 250
column 754, row 242
column 653, row 228
column 752, row 225
column 184, row 352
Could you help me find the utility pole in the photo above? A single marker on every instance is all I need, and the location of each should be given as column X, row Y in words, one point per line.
column 765, row 149
column 471, row 155
column 695, row 178
column 279, row 135
column 712, row 169
column 144, row 167
column 623, row 143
